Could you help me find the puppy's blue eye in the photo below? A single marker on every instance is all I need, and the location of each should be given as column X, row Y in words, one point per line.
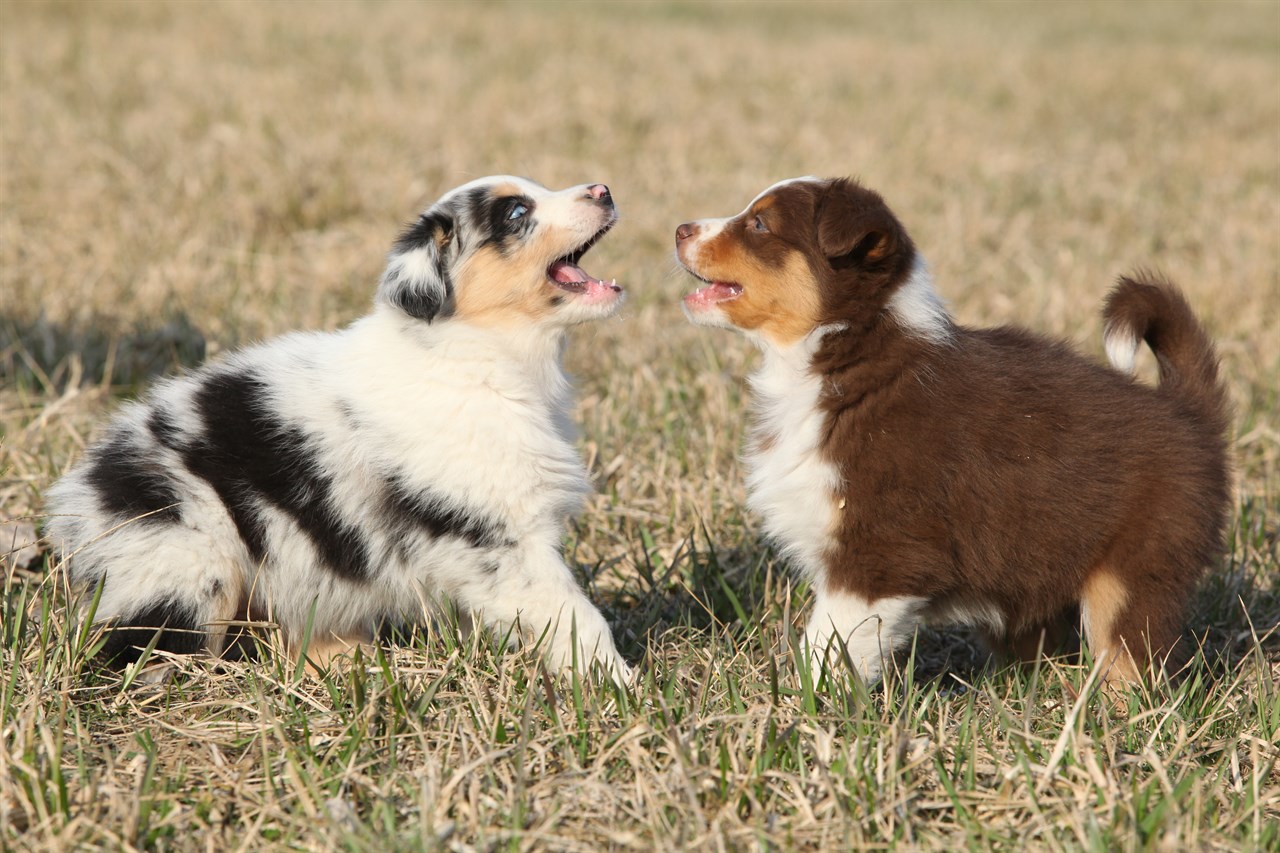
column 517, row 211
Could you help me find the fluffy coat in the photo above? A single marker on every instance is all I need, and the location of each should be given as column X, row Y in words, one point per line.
column 919, row 471
column 341, row 482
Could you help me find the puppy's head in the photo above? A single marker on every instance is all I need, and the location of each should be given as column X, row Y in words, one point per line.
column 504, row 251
column 803, row 254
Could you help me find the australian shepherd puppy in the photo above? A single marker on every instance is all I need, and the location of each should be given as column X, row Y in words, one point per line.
column 334, row 483
column 918, row 471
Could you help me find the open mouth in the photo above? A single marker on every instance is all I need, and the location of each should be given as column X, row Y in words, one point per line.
column 713, row 293
column 566, row 274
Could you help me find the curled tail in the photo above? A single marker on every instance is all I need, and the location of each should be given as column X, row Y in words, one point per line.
column 1147, row 307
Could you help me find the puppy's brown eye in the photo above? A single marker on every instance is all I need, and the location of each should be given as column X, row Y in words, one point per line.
column 757, row 224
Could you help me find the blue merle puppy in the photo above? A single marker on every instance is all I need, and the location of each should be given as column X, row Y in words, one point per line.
column 353, row 479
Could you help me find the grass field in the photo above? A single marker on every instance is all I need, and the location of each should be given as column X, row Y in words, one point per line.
column 178, row 179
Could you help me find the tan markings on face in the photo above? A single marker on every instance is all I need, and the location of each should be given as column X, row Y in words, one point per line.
column 1103, row 599
column 779, row 300
column 498, row 290
column 503, row 190
column 761, row 206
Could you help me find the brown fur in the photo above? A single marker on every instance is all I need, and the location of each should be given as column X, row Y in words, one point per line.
column 997, row 466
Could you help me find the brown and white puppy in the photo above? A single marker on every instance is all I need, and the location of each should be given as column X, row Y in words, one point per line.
column 919, row 471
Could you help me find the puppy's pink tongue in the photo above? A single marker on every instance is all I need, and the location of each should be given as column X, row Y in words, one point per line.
column 716, row 291
column 566, row 273
column 575, row 279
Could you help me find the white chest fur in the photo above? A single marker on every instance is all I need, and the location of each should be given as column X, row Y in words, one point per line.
column 479, row 416
column 789, row 483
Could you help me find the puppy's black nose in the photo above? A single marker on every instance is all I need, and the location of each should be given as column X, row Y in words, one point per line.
column 601, row 194
column 685, row 231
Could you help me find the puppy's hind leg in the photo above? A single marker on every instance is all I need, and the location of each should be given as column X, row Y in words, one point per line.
column 1132, row 630
column 174, row 586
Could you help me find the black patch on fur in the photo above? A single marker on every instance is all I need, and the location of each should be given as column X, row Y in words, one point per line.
column 163, row 428
column 432, row 229
column 417, row 302
column 493, row 218
column 249, row 454
column 441, row 517
column 130, row 485
column 432, row 233
column 127, row 638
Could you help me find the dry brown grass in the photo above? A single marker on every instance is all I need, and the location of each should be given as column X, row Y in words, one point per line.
column 179, row 177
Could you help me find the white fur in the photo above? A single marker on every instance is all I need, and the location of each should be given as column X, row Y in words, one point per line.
column 844, row 623
column 789, row 483
column 1121, row 347
column 478, row 415
column 917, row 306
column 793, row 488
column 707, row 228
column 956, row 612
column 779, row 185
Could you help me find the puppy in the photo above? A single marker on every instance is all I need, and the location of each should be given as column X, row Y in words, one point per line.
column 335, row 483
column 918, row 471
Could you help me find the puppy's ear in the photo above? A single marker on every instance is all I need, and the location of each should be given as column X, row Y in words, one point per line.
column 854, row 225
column 417, row 278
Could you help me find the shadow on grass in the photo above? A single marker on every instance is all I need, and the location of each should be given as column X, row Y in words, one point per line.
column 35, row 353
column 742, row 591
column 699, row 591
